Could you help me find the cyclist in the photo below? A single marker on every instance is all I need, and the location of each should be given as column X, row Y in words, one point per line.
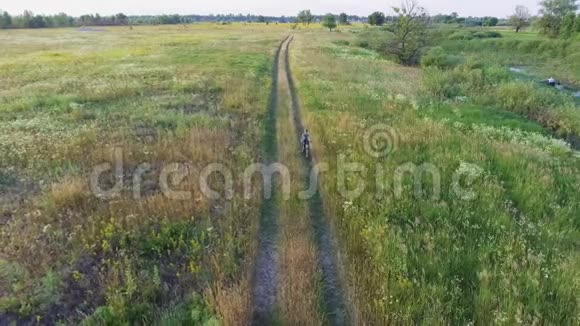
column 305, row 141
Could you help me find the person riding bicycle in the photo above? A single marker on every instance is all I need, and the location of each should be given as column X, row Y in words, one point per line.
column 305, row 140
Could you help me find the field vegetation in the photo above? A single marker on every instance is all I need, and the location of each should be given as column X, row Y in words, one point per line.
column 160, row 95
column 468, row 211
column 507, row 255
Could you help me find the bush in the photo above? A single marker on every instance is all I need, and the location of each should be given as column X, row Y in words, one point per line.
column 553, row 48
column 469, row 78
column 487, row 34
column 436, row 57
column 530, row 46
column 550, row 109
column 441, row 33
column 440, row 83
column 470, row 35
column 496, row 74
column 521, row 98
column 363, row 44
column 341, row 42
column 375, row 40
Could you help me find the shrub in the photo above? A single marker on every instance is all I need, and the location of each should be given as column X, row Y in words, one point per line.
column 496, row 74
column 341, row 42
column 374, row 40
column 530, row 46
column 440, row 83
column 490, row 86
column 470, row 35
column 436, row 57
column 509, row 44
column 487, row 34
column 363, row 44
column 520, row 98
column 459, row 36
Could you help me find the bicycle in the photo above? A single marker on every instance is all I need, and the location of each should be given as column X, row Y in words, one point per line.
column 306, row 149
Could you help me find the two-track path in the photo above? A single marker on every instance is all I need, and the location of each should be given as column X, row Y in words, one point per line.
column 267, row 275
column 265, row 278
column 333, row 295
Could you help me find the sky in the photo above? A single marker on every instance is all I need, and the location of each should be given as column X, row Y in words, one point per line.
column 499, row 8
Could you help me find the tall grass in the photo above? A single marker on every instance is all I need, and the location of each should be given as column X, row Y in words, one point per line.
column 507, row 255
column 543, row 57
column 491, row 86
column 163, row 95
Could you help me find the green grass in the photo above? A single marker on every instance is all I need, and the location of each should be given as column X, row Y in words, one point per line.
column 485, row 85
column 471, row 114
column 163, row 94
column 542, row 57
column 506, row 255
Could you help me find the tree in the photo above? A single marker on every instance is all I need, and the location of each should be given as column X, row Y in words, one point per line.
column 261, row 19
column 5, row 20
column 98, row 20
column 491, row 21
column 305, row 17
column 62, row 20
column 446, row 19
column 170, row 20
column 121, row 19
column 27, row 18
column 409, row 30
column 520, row 18
column 343, row 19
column 377, row 18
column 558, row 8
column 568, row 25
column 329, row 21
column 549, row 25
column 37, row 22
column 553, row 12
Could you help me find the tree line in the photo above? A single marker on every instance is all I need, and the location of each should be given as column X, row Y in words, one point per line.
column 557, row 18
column 408, row 27
column 378, row 18
column 29, row 20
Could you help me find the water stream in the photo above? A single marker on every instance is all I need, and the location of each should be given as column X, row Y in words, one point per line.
column 564, row 88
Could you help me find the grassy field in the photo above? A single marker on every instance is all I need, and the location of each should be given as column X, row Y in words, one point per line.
column 506, row 254
column 469, row 211
column 160, row 96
